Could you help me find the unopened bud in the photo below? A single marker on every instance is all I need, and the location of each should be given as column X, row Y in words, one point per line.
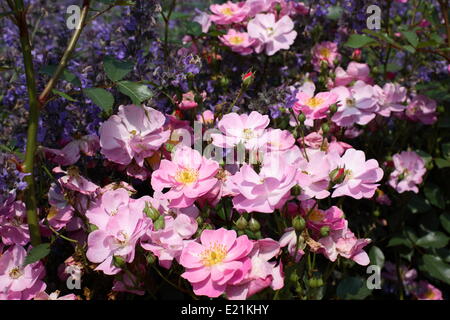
column 333, row 108
column 299, row 223
column 199, row 220
column 247, row 79
column 325, row 231
column 315, row 282
column 119, row 262
column 296, row 190
column 159, row 223
column 325, row 128
column 241, row 223
column 337, row 175
column 151, row 212
column 301, row 118
column 254, row 225
column 151, row 259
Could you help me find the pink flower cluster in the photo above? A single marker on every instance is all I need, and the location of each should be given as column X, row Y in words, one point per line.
column 254, row 25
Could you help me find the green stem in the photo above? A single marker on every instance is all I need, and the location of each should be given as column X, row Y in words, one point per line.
column 67, row 53
column 33, row 123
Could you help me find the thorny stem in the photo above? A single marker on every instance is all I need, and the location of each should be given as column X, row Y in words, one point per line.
column 67, row 53
column 30, row 192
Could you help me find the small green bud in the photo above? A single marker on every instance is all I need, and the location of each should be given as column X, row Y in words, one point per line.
column 119, row 262
column 151, row 259
column 159, row 223
column 333, row 108
column 299, row 223
column 315, row 282
column 240, row 233
column 169, row 147
column 151, row 212
column 199, row 220
column 301, row 118
column 325, row 231
column 294, row 277
column 254, row 225
column 325, row 128
column 296, row 190
column 224, row 82
column 208, row 226
column 258, row 235
column 241, row 223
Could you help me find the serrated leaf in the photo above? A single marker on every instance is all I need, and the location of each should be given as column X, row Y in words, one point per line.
column 433, row 240
column 358, row 41
column 435, row 267
column 376, row 256
column 445, row 221
column 446, row 150
column 64, row 95
column 115, row 69
column 412, row 37
column 434, row 195
column 66, row 75
column 417, row 204
column 37, row 253
column 442, row 163
column 352, row 288
column 104, row 99
column 136, row 91
column 399, row 241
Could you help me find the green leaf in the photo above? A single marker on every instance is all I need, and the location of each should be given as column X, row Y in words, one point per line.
column 409, row 48
column 136, row 91
column 358, row 40
column 335, row 12
column 417, row 204
column 399, row 241
column 64, row 95
column 435, row 267
column 376, row 256
column 425, row 156
column 66, row 75
column 446, row 150
column 442, row 163
column 412, row 37
column 433, row 240
column 104, row 99
column 445, row 221
column 434, row 195
column 37, row 253
column 116, row 69
column 352, row 288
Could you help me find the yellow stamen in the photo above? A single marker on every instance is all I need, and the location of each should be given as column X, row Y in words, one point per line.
column 314, row 102
column 186, row 176
column 316, row 216
column 227, row 11
column 213, row 255
column 236, row 40
column 325, row 52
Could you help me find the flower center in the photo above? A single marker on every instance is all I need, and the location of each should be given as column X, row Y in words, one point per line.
column 213, row 255
column 314, row 102
column 236, row 40
column 350, row 102
column 122, row 238
column 325, row 52
column 315, row 216
column 186, row 176
column 248, row 134
column 227, row 11
column 15, row 273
